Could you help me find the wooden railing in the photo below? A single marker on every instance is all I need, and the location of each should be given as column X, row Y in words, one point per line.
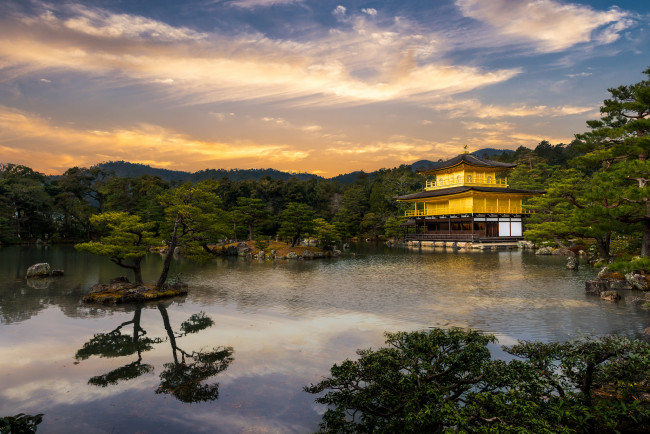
column 483, row 182
column 467, row 210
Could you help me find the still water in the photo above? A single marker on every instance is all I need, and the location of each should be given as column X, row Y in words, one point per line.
column 275, row 327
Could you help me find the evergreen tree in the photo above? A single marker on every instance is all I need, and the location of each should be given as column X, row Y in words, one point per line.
column 620, row 143
column 296, row 220
column 126, row 240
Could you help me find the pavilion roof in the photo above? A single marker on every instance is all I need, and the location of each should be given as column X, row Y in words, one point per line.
column 463, row 189
column 470, row 159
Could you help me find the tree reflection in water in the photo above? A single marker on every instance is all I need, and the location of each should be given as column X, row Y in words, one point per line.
column 183, row 377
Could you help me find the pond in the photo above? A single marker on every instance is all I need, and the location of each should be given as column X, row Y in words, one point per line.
column 234, row 354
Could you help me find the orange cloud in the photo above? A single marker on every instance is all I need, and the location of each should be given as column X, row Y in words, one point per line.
column 36, row 142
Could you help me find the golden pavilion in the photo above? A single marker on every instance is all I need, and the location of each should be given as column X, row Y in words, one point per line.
column 467, row 199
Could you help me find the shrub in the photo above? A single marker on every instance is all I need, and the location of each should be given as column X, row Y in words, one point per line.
column 445, row 380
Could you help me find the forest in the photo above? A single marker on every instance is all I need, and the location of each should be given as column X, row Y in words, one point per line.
column 596, row 186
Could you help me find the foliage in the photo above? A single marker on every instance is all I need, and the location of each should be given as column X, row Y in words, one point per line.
column 296, row 220
column 416, row 384
column 392, row 227
column 625, row 264
column 20, row 423
column 249, row 212
column 126, row 241
column 445, row 380
column 619, row 149
column 193, row 219
column 325, row 232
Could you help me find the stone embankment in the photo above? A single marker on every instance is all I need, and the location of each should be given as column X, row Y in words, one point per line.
column 608, row 284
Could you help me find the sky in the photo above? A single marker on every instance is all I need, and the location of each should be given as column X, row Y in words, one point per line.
column 325, row 87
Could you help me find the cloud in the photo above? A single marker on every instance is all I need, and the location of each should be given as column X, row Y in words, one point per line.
column 26, row 138
column 339, row 11
column 579, row 75
column 254, row 4
column 222, row 116
column 476, row 109
column 101, row 23
column 361, row 63
column 369, row 11
column 553, row 26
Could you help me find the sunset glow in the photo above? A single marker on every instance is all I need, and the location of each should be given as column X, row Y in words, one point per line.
column 322, row 87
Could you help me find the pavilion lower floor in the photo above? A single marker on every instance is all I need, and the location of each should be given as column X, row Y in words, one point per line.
column 483, row 228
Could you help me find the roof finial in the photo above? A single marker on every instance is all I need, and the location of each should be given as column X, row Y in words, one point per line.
column 466, row 151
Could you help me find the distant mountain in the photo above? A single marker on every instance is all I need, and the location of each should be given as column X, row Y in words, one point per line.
column 489, row 152
column 134, row 170
column 347, row 178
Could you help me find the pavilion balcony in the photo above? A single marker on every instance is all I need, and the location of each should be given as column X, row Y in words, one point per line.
column 466, row 210
column 468, row 181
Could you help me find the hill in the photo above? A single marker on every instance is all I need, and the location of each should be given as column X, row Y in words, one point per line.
column 134, row 170
column 483, row 153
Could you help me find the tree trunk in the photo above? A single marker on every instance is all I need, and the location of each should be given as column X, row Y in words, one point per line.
column 295, row 239
column 137, row 270
column 559, row 242
column 251, row 237
column 234, row 230
column 603, row 245
column 645, row 245
column 170, row 254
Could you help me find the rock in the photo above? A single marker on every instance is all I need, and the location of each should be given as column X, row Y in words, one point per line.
column 177, row 251
column 603, row 271
column 243, row 249
column 525, row 245
column 647, row 331
column 571, row 263
column 39, row 270
column 346, row 246
column 582, row 253
column 610, row 295
column 544, row 251
column 292, row 255
column 57, row 273
column 596, row 286
column 618, row 284
column 562, row 252
column 336, row 253
column 121, row 279
column 638, row 281
column 308, row 254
